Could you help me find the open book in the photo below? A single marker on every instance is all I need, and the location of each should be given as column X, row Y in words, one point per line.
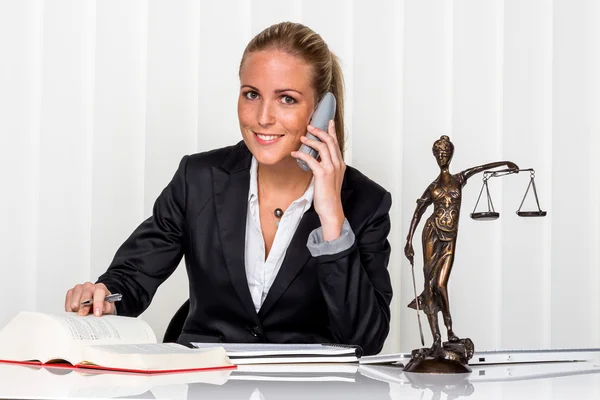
column 275, row 353
column 109, row 342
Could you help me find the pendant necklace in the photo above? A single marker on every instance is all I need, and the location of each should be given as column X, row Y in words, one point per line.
column 278, row 212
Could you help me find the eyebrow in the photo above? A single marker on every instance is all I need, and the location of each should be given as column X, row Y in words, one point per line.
column 276, row 91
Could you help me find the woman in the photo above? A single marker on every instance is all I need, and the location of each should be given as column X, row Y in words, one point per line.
column 273, row 253
column 439, row 236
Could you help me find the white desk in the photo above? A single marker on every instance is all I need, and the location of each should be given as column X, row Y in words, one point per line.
column 540, row 381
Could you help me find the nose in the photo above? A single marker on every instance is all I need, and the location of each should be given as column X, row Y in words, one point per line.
column 266, row 116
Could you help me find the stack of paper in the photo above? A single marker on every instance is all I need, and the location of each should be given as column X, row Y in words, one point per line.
column 269, row 353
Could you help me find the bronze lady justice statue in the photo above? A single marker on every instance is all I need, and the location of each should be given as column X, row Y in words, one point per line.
column 439, row 243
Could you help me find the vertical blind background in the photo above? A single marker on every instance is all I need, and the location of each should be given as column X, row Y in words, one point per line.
column 99, row 100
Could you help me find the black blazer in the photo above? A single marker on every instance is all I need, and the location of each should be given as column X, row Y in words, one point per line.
column 201, row 214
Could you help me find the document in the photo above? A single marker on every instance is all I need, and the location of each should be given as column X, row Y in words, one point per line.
column 272, row 353
column 109, row 342
column 501, row 356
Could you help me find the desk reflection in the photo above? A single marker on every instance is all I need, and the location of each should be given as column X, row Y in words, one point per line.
column 248, row 383
column 556, row 380
column 347, row 381
column 361, row 388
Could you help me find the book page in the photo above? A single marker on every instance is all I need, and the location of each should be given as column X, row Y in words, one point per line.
column 154, row 357
column 145, row 348
column 35, row 336
column 106, row 329
column 51, row 337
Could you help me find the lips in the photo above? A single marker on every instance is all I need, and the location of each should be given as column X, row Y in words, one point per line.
column 264, row 138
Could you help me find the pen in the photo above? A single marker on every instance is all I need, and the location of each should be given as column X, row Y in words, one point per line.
column 111, row 298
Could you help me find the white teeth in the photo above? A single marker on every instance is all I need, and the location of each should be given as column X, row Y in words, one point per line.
column 268, row 137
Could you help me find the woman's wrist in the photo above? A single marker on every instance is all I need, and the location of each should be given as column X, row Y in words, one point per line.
column 332, row 226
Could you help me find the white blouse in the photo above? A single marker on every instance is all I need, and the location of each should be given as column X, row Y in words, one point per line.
column 260, row 272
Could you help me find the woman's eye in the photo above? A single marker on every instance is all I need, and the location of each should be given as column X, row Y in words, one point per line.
column 288, row 100
column 251, row 95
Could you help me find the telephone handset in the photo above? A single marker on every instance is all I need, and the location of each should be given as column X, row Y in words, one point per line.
column 324, row 112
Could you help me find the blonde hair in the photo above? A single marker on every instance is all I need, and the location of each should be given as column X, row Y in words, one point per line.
column 301, row 41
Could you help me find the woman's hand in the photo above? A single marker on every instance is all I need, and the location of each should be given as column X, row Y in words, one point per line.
column 86, row 291
column 329, row 174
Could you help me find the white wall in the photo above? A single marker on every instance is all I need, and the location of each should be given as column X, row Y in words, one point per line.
column 99, row 100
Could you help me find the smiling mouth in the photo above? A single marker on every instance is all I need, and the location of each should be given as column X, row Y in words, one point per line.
column 267, row 138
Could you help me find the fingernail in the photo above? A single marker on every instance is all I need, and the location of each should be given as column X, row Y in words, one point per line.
column 311, row 127
column 97, row 311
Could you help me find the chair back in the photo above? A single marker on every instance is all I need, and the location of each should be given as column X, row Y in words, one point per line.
column 176, row 325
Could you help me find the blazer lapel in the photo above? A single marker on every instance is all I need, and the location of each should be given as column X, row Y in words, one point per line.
column 297, row 255
column 230, row 187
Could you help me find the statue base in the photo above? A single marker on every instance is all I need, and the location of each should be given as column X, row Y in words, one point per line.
column 450, row 358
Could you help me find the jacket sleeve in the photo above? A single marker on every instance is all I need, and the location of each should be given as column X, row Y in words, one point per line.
column 318, row 246
column 356, row 284
column 152, row 252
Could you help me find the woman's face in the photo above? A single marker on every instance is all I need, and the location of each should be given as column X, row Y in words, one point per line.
column 275, row 103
